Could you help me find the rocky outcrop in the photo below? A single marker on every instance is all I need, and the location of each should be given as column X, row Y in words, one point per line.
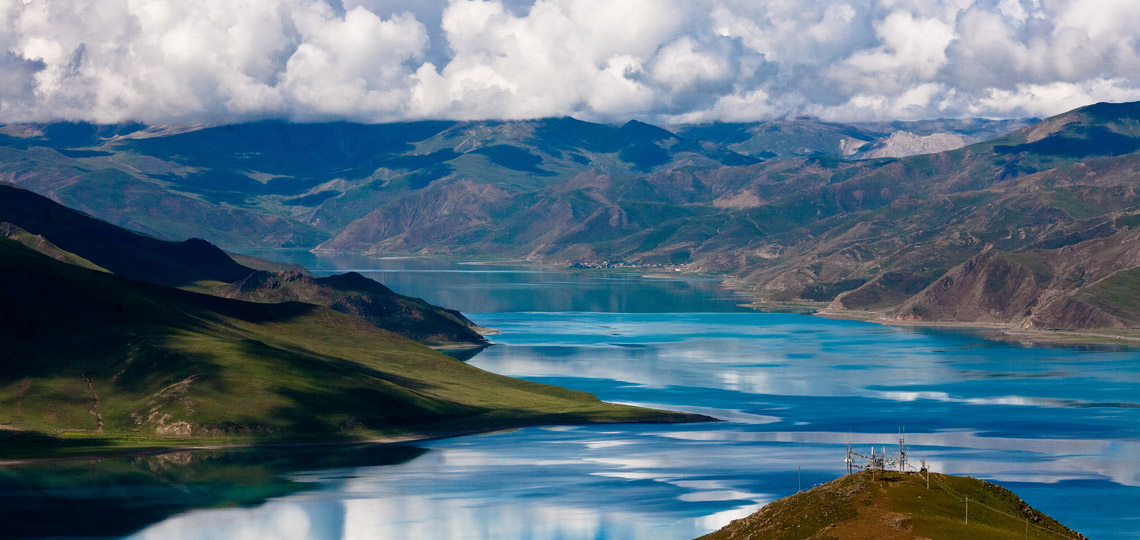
column 905, row 143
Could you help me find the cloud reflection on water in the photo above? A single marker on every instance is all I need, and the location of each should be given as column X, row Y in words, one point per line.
column 792, row 389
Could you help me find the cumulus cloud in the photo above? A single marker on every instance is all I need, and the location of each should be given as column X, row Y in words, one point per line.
column 170, row 61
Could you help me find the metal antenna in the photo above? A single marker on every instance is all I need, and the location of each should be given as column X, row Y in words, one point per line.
column 849, row 460
column 878, row 460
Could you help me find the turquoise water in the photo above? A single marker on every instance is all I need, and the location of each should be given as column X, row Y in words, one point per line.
column 1061, row 427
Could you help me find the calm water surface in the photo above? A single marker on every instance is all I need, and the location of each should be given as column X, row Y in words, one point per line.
column 1059, row 426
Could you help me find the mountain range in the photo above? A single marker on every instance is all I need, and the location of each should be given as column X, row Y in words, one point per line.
column 275, row 184
column 792, row 210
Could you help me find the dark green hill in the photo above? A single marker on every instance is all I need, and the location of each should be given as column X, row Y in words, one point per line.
column 109, row 363
column 897, row 506
column 197, row 265
column 118, row 250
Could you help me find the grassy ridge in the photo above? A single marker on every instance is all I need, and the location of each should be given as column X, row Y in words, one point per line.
column 357, row 295
column 106, row 362
column 897, row 506
column 115, row 249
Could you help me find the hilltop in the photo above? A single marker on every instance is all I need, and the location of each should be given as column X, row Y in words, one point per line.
column 897, row 506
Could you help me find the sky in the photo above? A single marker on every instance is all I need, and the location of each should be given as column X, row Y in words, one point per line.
column 664, row 61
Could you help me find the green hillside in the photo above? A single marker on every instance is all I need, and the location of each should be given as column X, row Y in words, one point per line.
column 197, row 265
column 897, row 506
column 93, row 362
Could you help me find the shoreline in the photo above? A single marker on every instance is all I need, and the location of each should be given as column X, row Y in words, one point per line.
column 999, row 331
column 664, row 417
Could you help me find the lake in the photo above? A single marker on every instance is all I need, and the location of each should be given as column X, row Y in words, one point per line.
column 1059, row 426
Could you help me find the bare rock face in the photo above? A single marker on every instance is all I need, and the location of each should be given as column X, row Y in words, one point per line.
column 905, row 143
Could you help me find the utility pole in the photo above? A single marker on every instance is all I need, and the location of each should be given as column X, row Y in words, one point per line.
column 967, row 510
column 902, row 449
column 873, row 464
column 799, row 481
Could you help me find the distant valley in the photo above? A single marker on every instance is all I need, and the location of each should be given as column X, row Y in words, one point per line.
column 1033, row 226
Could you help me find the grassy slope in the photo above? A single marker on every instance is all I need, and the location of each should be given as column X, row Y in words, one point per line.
column 896, row 506
column 44, row 246
column 173, row 368
column 1118, row 294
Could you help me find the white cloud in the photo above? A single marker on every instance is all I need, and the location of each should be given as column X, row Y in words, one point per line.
column 680, row 65
column 1045, row 99
column 734, row 108
column 616, row 91
column 167, row 61
column 355, row 64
